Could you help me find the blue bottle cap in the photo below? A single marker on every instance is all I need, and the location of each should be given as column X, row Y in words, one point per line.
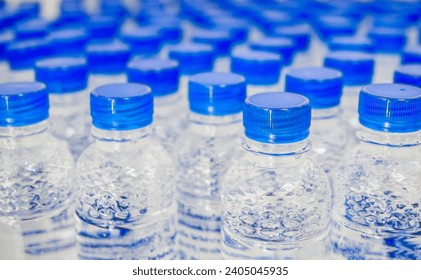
column 23, row 104
column 357, row 67
column 121, row 106
column 392, row 108
column 5, row 39
column 277, row 117
column 300, row 33
column 69, row 42
column 282, row 46
column 169, row 29
column 238, row 29
column 103, row 27
column 107, row 58
column 217, row 94
column 270, row 19
column 221, row 41
column 387, row 40
column 143, row 41
column 259, row 68
column 329, row 26
column 409, row 74
column 161, row 75
column 411, row 55
column 323, row 86
column 31, row 29
column 193, row 58
column 62, row 74
column 24, row 54
column 351, row 43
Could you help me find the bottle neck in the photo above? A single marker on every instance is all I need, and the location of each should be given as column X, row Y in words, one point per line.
column 103, row 135
column 30, row 135
column 370, row 136
column 287, row 149
column 199, row 119
column 327, row 113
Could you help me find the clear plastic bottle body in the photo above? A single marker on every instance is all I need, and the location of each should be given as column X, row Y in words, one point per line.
column 255, row 89
column 349, row 105
column 124, row 205
column 329, row 135
column 4, row 72
column 170, row 119
column 37, row 186
column 376, row 212
column 204, row 152
column 23, row 75
column 277, row 204
column 385, row 66
column 70, row 120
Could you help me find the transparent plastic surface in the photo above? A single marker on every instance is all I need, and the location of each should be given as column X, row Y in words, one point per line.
column 276, row 203
column 26, row 75
column 385, row 66
column 329, row 135
column 69, row 114
column 36, row 194
column 170, row 119
column 97, row 80
column 124, row 205
column 377, row 203
column 204, row 151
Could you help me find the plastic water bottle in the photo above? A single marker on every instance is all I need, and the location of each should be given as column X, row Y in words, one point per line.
column 107, row 63
column 376, row 212
column 162, row 76
column 143, row 41
column 357, row 70
column 408, row 74
column 276, row 200
column 5, row 39
column 388, row 43
column 36, row 28
column 323, row 87
column 66, row 80
column 299, row 33
column 220, row 40
column 262, row 70
column 282, row 46
column 351, row 43
column 22, row 56
column 192, row 59
column 102, row 27
column 411, row 55
column 204, row 150
column 68, row 41
column 124, row 203
column 36, row 179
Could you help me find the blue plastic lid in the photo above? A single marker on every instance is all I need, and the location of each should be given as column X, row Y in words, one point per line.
column 411, row 55
column 221, row 41
column 193, row 58
column 143, row 41
column 68, row 41
column 62, row 74
column 387, row 40
column 121, row 106
column 170, row 30
column 409, row 74
column 357, row 67
column 107, row 58
column 161, row 75
column 351, row 43
column 32, row 29
column 24, row 54
column 332, row 25
column 23, row 104
column 238, row 28
column 323, row 86
column 282, row 46
column 271, row 19
column 217, row 94
column 103, row 27
column 277, row 117
column 5, row 39
column 392, row 108
column 259, row 68
column 300, row 33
